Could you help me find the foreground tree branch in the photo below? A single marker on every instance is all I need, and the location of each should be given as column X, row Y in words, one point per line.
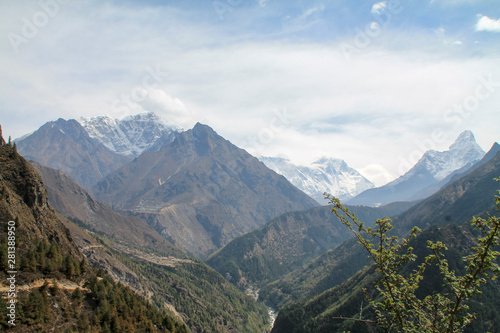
column 399, row 310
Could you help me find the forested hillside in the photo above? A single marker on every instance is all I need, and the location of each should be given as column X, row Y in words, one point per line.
column 56, row 289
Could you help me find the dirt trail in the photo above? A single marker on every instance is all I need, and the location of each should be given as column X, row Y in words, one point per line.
column 63, row 284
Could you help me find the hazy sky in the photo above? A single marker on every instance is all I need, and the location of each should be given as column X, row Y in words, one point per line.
column 373, row 83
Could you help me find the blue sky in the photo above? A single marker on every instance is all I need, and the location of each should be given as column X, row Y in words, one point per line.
column 372, row 82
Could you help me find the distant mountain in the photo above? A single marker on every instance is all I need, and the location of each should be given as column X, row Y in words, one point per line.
column 471, row 195
column 325, row 175
column 201, row 191
column 433, row 171
column 65, row 145
column 133, row 135
column 89, row 149
column 286, row 243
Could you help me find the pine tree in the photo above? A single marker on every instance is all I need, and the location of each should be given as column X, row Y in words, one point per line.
column 54, row 253
column 82, row 323
column 83, row 266
column 77, row 297
column 2, row 141
column 68, row 267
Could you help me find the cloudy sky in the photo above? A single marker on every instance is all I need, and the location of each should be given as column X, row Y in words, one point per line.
column 373, row 83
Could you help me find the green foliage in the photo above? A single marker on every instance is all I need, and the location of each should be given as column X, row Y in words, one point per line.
column 398, row 308
column 207, row 299
column 285, row 244
column 35, row 307
column 47, row 259
column 118, row 309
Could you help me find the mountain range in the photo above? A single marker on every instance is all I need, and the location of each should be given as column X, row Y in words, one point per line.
column 329, row 175
column 133, row 253
column 91, row 148
column 200, row 191
column 143, row 202
column 455, row 204
column 314, row 297
column 433, row 171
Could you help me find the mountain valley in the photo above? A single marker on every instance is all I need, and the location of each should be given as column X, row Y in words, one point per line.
column 200, row 191
column 146, row 203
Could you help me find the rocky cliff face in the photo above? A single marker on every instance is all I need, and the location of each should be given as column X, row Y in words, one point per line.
column 23, row 197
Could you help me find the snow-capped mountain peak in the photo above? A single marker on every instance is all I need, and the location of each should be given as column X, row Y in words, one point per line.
column 466, row 140
column 463, row 152
column 132, row 135
column 325, row 175
column 431, row 172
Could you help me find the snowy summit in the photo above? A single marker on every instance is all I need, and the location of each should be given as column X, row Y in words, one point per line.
column 132, row 135
column 325, row 175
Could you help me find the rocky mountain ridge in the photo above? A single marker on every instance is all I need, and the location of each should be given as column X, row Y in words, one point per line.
column 200, row 191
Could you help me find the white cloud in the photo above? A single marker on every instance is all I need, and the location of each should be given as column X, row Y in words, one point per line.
column 312, row 10
column 263, row 3
column 377, row 174
column 368, row 111
column 379, row 7
column 484, row 23
column 171, row 108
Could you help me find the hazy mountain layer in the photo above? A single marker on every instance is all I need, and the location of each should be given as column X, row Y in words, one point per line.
column 287, row 243
column 455, row 204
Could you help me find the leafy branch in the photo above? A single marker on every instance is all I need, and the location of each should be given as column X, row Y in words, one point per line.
column 399, row 309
